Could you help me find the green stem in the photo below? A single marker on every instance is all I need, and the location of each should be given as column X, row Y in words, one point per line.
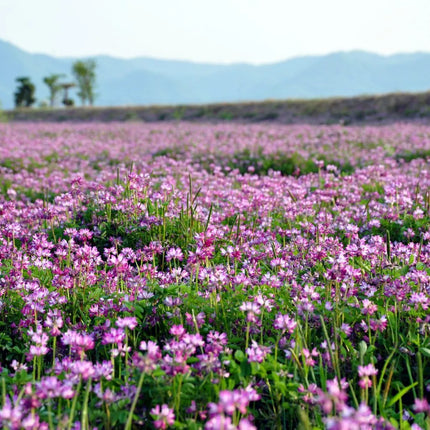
column 34, row 369
column 332, row 358
column 84, row 419
column 126, row 354
column 247, row 335
column 420, row 375
column 75, row 399
column 51, row 425
column 54, row 347
column 3, row 390
column 133, row 406
column 178, row 394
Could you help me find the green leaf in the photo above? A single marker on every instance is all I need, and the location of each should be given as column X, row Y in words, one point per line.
column 158, row 372
column 188, row 388
column 420, row 266
column 400, row 394
column 404, row 270
column 362, row 346
column 245, row 369
column 394, row 422
column 425, row 351
column 239, row 356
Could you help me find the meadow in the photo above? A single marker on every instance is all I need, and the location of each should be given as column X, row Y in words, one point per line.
column 224, row 276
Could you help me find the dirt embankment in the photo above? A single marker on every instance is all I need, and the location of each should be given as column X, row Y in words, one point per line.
column 354, row 110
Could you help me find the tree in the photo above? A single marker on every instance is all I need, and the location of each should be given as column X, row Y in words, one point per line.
column 54, row 87
column 24, row 95
column 85, row 75
column 66, row 100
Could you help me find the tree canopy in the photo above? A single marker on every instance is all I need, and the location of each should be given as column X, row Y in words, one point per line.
column 85, row 75
column 52, row 81
column 24, row 95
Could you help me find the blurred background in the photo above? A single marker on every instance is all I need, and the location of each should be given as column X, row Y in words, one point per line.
column 195, row 51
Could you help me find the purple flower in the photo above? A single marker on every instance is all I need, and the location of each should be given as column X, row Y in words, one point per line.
column 114, row 336
column 79, row 342
column 54, row 321
column 40, row 339
column 50, row 387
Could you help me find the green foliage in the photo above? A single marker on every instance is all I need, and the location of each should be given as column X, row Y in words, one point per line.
column 3, row 116
column 134, row 231
column 398, row 229
column 172, row 152
column 68, row 102
column 179, row 112
column 226, row 115
column 413, row 155
column 84, row 72
column 288, row 164
column 131, row 116
column 24, row 95
column 15, row 165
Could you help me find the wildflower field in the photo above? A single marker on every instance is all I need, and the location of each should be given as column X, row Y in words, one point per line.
column 214, row 276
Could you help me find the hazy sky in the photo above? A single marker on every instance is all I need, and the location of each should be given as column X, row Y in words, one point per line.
column 256, row 31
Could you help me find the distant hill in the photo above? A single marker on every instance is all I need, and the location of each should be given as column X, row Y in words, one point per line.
column 148, row 81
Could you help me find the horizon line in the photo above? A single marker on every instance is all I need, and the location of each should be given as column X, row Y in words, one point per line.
column 214, row 63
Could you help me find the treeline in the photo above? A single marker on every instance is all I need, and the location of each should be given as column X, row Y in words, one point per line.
column 84, row 73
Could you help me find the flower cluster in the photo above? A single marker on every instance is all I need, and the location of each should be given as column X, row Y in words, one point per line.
column 214, row 276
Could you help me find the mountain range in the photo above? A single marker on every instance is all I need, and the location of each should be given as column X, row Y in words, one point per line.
column 144, row 81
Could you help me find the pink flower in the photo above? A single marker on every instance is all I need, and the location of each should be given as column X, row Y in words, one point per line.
column 174, row 254
column 177, row 330
column 422, row 405
column 163, row 416
column 40, row 339
column 285, row 323
column 199, row 319
column 245, row 424
column 218, row 422
column 50, row 387
column 54, row 321
column 79, row 342
column 230, row 401
column 369, row 308
column 368, row 370
column 126, row 322
column 257, row 353
column 252, row 309
column 152, row 349
column 364, row 372
column 308, row 355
